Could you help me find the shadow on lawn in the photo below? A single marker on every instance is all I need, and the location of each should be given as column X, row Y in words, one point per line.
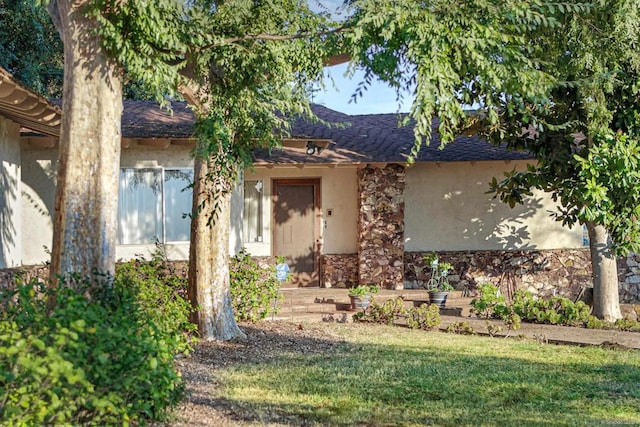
column 361, row 384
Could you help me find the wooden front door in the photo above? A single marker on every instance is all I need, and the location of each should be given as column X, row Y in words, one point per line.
column 296, row 234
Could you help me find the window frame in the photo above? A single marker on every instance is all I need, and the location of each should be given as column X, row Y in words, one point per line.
column 163, row 208
column 259, row 238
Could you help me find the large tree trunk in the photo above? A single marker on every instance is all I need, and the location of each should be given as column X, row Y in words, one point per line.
column 606, row 300
column 85, row 220
column 209, row 289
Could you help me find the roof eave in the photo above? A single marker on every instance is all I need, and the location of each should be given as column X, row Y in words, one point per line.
column 27, row 108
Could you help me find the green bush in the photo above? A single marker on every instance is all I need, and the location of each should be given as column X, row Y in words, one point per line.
column 254, row 289
column 161, row 295
column 385, row 314
column 493, row 305
column 490, row 301
column 554, row 311
column 80, row 353
column 461, row 328
column 620, row 324
column 425, row 317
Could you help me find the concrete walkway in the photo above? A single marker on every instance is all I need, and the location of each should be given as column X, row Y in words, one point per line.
column 553, row 334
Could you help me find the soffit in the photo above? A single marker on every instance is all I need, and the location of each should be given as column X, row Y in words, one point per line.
column 26, row 107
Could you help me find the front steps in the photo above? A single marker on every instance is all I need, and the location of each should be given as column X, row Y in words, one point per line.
column 333, row 304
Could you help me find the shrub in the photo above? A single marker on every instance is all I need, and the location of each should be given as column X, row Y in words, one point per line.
column 555, row 310
column 620, row 324
column 490, row 298
column 81, row 353
column 492, row 305
column 363, row 290
column 385, row 313
column 425, row 317
column 160, row 294
column 461, row 328
column 254, row 289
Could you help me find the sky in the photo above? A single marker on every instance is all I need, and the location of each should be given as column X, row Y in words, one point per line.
column 379, row 98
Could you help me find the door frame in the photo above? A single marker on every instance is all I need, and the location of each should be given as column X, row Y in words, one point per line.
column 314, row 280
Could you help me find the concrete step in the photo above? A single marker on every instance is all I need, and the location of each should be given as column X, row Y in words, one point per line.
column 320, row 295
column 333, row 304
column 345, row 304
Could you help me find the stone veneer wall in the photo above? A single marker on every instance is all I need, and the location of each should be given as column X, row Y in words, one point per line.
column 338, row 270
column 629, row 278
column 381, row 226
column 26, row 273
column 543, row 273
column 540, row 272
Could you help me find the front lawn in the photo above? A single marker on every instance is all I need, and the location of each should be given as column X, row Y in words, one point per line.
column 382, row 376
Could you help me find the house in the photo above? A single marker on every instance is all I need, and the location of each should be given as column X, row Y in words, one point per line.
column 339, row 202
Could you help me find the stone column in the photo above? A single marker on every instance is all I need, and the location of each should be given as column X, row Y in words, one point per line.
column 381, row 226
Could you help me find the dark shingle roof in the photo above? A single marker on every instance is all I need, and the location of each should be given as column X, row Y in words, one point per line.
column 377, row 138
column 372, row 138
column 145, row 119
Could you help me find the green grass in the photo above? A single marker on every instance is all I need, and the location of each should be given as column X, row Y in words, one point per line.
column 384, row 376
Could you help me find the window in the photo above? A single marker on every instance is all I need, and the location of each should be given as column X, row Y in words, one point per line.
column 153, row 205
column 252, row 219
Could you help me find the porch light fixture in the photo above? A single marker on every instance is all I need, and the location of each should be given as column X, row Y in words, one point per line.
column 313, row 148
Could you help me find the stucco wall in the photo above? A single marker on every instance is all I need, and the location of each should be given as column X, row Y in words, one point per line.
column 447, row 210
column 339, row 194
column 38, row 196
column 10, row 206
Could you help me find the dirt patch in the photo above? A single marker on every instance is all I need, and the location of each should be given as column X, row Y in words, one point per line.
column 265, row 341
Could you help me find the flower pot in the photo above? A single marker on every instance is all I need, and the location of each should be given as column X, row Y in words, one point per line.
column 438, row 298
column 360, row 302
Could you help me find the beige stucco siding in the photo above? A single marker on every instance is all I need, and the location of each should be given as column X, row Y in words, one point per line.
column 10, row 187
column 447, row 209
column 38, row 196
column 339, row 194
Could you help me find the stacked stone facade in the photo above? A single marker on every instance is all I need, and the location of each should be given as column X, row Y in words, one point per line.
column 543, row 273
column 629, row 278
column 339, row 271
column 381, row 226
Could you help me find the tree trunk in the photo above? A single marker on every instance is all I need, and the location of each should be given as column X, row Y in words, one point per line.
column 85, row 219
column 606, row 300
column 209, row 288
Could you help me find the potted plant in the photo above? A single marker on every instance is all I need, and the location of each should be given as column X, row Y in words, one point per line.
column 361, row 296
column 438, row 285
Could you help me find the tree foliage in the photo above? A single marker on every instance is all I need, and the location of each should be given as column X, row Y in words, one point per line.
column 584, row 136
column 452, row 55
column 30, row 47
column 31, row 50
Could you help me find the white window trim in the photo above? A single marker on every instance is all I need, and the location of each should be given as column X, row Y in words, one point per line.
column 162, row 170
